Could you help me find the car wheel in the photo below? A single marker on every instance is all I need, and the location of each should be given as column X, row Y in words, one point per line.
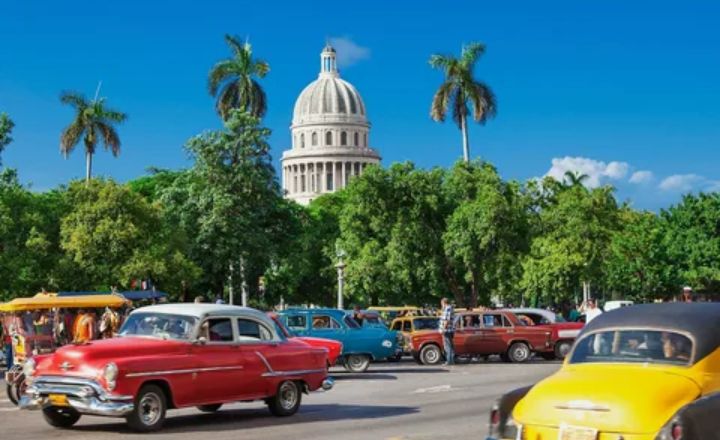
column 150, row 408
column 60, row 417
column 562, row 349
column 357, row 363
column 210, row 408
column 519, row 352
column 431, row 355
column 286, row 401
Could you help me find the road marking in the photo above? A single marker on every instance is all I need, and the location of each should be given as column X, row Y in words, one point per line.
column 437, row 389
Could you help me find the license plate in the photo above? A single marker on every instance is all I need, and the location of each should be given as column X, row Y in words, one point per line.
column 58, row 400
column 577, row 433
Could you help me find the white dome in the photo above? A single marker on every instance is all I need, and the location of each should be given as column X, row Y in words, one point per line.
column 329, row 98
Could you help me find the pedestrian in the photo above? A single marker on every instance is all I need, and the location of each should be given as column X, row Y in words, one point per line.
column 219, row 300
column 447, row 328
column 7, row 340
column 199, row 299
column 591, row 310
column 84, row 327
column 358, row 315
column 687, row 294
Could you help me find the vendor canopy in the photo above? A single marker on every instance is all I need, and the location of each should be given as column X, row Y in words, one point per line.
column 132, row 295
column 44, row 301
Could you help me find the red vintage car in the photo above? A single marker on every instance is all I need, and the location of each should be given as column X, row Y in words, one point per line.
column 563, row 332
column 334, row 348
column 484, row 333
column 176, row 356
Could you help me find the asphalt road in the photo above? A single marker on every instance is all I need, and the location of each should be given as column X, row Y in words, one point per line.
column 391, row 401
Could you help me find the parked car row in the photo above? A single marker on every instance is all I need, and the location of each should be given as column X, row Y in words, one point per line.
column 206, row 355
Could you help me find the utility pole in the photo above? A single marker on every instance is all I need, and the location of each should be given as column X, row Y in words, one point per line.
column 243, row 285
column 340, row 266
column 230, row 284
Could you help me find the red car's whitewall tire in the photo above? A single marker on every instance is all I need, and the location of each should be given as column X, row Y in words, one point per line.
column 562, row 348
column 431, row 355
column 286, row 401
column 150, row 408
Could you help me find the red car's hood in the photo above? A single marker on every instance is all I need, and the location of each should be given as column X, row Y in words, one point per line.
column 86, row 359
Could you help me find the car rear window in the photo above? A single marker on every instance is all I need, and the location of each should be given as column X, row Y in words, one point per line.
column 640, row 346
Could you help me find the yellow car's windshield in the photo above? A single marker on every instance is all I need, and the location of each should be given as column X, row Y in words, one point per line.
column 637, row 346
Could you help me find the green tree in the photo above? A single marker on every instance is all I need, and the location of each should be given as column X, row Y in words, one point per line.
column 93, row 123
column 572, row 243
column 234, row 81
column 112, row 235
column 486, row 231
column 692, row 240
column 230, row 204
column 460, row 88
column 637, row 266
column 28, row 237
column 6, row 127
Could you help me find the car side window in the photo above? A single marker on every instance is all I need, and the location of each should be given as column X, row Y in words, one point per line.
column 407, row 326
column 397, row 325
column 492, row 321
column 296, row 322
column 217, row 330
column 471, row 321
column 322, row 322
column 506, row 322
column 249, row 330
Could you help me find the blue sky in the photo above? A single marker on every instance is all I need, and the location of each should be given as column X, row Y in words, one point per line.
column 627, row 92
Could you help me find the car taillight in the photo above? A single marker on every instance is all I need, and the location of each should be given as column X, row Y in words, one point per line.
column 495, row 417
column 676, row 431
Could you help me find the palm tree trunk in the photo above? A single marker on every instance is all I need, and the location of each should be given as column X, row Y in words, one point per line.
column 466, row 142
column 88, row 166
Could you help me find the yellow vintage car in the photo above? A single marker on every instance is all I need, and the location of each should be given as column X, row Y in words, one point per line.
column 646, row 372
column 407, row 325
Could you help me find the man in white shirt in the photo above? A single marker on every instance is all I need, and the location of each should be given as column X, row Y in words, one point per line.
column 592, row 311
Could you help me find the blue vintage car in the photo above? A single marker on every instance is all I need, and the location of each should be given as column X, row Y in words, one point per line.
column 360, row 344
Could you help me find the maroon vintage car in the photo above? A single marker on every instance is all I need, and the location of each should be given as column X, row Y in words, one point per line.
column 563, row 332
column 176, row 356
column 484, row 333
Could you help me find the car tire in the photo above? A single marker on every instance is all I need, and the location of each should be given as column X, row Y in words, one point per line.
column 562, row 349
column 287, row 400
column 357, row 363
column 519, row 352
column 210, row 408
column 60, row 417
column 431, row 355
column 12, row 393
column 149, row 412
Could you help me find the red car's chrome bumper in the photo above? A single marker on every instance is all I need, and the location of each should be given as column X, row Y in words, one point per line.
column 84, row 395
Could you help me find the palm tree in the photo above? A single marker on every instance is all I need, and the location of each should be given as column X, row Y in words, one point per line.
column 93, row 123
column 460, row 87
column 572, row 179
column 233, row 81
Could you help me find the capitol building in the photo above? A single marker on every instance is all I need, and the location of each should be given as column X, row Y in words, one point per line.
column 330, row 136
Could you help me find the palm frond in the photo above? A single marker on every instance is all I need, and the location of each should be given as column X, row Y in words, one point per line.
column 470, row 54
column 459, row 106
column 483, row 102
column 234, row 43
column 220, row 72
column 261, row 68
column 71, row 136
column 113, row 115
column 227, row 99
column 110, row 138
column 74, row 99
column 258, row 106
column 440, row 101
column 439, row 61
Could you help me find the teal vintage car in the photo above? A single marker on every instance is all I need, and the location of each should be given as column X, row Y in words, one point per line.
column 361, row 345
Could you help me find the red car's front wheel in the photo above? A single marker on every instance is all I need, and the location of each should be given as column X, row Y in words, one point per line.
column 150, row 408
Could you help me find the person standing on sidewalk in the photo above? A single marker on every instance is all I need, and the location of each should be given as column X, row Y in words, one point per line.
column 447, row 328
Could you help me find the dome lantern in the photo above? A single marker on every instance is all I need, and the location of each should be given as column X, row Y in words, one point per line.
column 328, row 62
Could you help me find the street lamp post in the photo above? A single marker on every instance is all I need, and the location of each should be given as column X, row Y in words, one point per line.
column 340, row 266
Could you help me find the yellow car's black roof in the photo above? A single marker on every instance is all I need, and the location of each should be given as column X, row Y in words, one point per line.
column 700, row 320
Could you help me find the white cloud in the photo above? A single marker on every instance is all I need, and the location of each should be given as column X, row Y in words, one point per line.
column 642, row 177
column 598, row 172
column 348, row 52
column 683, row 182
